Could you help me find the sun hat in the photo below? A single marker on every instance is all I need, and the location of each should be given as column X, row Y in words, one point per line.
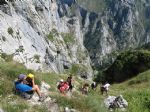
column 30, row 75
column 21, row 76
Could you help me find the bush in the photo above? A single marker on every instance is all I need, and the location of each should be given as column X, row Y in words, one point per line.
column 100, row 77
column 68, row 38
column 21, row 49
column 52, row 34
column 78, row 69
column 7, row 57
column 10, row 31
column 127, row 65
column 37, row 58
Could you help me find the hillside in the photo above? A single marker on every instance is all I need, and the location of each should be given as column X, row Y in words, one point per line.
column 100, row 40
column 52, row 35
column 146, row 46
column 12, row 103
column 135, row 91
column 127, row 65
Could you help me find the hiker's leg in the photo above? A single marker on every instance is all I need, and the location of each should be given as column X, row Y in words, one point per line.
column 36, row 88
column 102, row 91
column 107, row 92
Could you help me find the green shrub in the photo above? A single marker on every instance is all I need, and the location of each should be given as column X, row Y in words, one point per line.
column 94, row 5
column 21, row 49
column 54, row 32
column 128, row 64
column 99, row 77
column 68, row 38
column 50, row 36
column 7, row 57
column 37, row 58
column 10, row 31
column 78, row 69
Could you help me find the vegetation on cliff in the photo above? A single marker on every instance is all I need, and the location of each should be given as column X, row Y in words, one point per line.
column 127, row 65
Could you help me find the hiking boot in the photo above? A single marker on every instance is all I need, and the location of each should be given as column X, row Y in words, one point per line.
column 42, row 98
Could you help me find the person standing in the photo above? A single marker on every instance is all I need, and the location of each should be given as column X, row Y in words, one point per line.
column 69, row 80
column 105, row 88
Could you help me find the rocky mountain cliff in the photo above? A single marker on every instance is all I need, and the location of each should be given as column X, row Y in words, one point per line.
column 113, row 25
column 34, row 33
column 53, row 35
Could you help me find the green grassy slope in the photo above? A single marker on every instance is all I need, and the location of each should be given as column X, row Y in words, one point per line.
column 13, row 103
column 135, row 91
column 93, row 5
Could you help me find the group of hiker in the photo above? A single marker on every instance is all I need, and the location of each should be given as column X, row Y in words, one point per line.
column 103, row 88
column 65, row 86
column 26, row 84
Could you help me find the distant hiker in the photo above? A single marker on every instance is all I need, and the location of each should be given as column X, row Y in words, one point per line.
column 21, row 85
column 69, row 80
column 105, row 88
column 63, row 86
column 94, row 85
column 85, row 89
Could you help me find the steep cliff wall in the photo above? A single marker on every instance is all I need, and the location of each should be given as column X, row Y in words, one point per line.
column 33, row 32
column 113, row 25
column 52, row 35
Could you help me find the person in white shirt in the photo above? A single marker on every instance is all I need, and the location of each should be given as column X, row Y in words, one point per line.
column 105, row 88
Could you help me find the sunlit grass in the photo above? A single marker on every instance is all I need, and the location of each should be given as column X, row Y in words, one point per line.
column 135, row 91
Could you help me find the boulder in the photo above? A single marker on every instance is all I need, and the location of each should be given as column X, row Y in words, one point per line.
column 113, row 102
column 1, row 110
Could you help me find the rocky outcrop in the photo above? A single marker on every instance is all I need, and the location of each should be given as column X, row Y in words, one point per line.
column 1, row 110
column 113, row 102
column 50, row 103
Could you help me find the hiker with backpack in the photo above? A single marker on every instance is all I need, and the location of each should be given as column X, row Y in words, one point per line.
column 63, row 86
column 26, row 86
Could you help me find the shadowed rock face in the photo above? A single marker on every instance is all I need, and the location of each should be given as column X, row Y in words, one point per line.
column 2, row 2
column 112, row 25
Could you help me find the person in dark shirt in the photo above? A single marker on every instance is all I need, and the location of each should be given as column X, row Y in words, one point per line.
column 69, row 80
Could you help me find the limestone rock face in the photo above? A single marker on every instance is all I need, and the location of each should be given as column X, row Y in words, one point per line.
column 120, row 25
column 34, row 33
column 53, row 35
